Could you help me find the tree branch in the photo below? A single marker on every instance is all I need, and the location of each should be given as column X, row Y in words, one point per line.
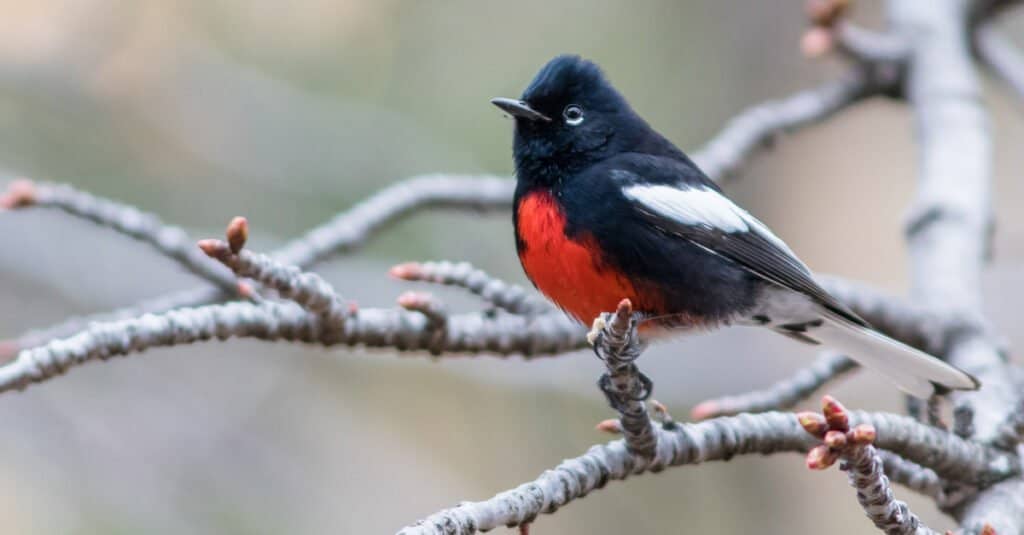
column 711, row 440
column 308, row 290
column 1001, row 56
column 863, row 465
column 169, row 240
column 351, row 228
column 510, row 297
column 757, row 126
column 343, row 233
column 870, row 46
column 950, row 223
column 463, row 334
column 783, row 394
column 718, row 439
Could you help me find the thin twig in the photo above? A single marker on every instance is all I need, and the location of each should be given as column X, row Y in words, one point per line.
column 349, row 229
column 307, row 289
column 870, row 46
column 913, row 476
column 1002, row 56
column 783, row 394
column 755, row 127
column 1010, row 432
column 436, row 314
column 510, row 297
column 169, row 240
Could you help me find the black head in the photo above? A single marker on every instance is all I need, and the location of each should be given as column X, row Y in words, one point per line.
column 570, row 117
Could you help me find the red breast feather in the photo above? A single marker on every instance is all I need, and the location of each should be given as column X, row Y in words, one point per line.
column 570, row 271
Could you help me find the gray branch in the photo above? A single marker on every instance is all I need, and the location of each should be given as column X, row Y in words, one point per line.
column 510, row 297
column 1002, row 56
column 757, row 126
column 853, row 446
column 713, row 440
column 463, row 334
column 682, row 444
column 865, row 470
column 169, row 240
column 349, row 229
column 783, row 394
column 913, row 476
column 306, row 289
column 949, row 227
column 344, row 233
column 870, row 46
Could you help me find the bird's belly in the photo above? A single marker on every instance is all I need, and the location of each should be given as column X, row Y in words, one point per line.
column 570, row 270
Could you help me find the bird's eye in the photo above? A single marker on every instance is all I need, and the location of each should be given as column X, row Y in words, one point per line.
column 573, row 115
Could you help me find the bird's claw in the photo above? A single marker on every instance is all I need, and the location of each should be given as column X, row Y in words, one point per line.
column 617, row 399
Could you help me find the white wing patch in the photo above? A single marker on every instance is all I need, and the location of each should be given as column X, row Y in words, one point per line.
column 696, row 207
column 699, row 207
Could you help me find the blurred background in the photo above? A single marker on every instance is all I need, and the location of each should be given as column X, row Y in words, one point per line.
column 288, row 113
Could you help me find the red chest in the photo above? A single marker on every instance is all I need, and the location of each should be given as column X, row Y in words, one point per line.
column 570, row 272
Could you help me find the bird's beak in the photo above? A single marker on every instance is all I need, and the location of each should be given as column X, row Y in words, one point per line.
column 518, row 108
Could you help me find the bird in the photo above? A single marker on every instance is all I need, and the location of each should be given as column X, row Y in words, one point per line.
column 606, row 208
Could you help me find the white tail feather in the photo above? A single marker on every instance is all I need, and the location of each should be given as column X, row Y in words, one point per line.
column 915, row 372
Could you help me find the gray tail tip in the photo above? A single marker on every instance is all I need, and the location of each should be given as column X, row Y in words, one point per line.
column 941, row 389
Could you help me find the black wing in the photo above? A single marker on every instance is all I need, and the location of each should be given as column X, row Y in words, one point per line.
column 701, row 214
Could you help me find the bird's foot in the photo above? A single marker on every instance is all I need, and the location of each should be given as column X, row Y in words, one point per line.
column 617, row 398
column 595, row 329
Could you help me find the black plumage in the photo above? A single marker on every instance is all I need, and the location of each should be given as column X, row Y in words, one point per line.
column 633, row 214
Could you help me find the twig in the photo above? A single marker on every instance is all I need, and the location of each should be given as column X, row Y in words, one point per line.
column 307, row 289
column 501, row 294
column 1010, row 432
column 617, row 344
column 781, row 395
column 870, row 46
column 169, row 240
column 1001, row 56
column 351, row 228
column 831, row 30
column 863, row 465
column 723, row 155
column 913, row 476
column 435, row 312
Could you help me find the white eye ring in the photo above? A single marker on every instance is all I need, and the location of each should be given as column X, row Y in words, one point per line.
column 573, row 115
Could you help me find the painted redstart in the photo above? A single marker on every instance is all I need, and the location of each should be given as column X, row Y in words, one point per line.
column 606, row 208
